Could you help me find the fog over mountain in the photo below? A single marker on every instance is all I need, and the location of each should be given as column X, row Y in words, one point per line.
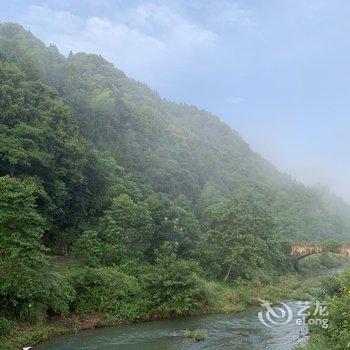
column 274, row 71
column 120, row 203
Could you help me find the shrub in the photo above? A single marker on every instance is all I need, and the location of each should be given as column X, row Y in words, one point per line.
column 54, row 298
column 337, row 296
column 173, row 284
column 5, row 326
column 109, row 290
column 197, row 335
column 330, row 246
column 88, row 248
column 61, row 295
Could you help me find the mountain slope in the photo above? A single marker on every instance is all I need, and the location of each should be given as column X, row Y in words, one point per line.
column 170, row 148
column 147, row 203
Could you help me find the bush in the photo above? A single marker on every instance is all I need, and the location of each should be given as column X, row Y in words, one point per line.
column 173, row 284
column 88, row 248
column 61, row 295
column 330, row 246
column 5, row 326
column 54, row 297
column 109, row 290
column 337, row 296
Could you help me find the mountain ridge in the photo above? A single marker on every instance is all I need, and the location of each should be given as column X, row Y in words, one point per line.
column 171, row 148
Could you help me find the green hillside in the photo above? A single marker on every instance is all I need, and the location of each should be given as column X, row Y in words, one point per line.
column 98, row 167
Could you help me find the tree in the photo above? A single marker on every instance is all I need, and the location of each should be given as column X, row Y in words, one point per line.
column 28, row 290
column 89, row 248
column 172, row 223
column 123, row 233
column 242, row 237
column 173, row 285
column 127, row 226
column 22, row 256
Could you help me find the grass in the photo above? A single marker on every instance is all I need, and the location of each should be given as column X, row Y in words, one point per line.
column 197, row 335
column 317, row 342
column 223, row 299
column 226, row 299
column 66, row 266
column 27, row 335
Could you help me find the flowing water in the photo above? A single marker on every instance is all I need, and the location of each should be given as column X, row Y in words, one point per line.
column 240, row 331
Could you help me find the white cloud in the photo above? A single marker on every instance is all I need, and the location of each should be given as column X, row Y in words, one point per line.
column 225, row 14
column 140, row 40
column 233, row 13
column 46, row 21
column 235, row 99
column 170, row 27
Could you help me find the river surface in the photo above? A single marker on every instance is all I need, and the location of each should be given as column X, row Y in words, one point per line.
column 240, row 331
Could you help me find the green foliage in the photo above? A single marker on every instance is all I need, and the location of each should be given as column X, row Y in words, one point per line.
column 33, row 334
column 317, row 262
column 89, row 249
column 59, row 295
column 336, row 293
column 173, row 283
column 150, row 196
column 22, row 256
column 28, row 290
column 163, row 147
column 107, row 289
column 330, row 246
column 197, row 335
column 172, row 223
column 5, row 326
column 131, row 230
column 124, row 233
column 126, row 226
column 39, row 138
column 241, row 238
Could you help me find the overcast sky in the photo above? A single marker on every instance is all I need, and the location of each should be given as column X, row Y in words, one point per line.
column 277, row 71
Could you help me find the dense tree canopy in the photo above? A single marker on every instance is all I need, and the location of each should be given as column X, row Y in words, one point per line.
column 96, row 166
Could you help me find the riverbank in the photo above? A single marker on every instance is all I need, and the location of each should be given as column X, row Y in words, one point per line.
column 336, row 295
column 237, row 331
column 224, row 299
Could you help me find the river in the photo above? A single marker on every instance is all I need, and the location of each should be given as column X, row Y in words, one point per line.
column 240, row 331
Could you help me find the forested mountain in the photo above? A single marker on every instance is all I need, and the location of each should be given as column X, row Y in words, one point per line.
column 105, row 170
